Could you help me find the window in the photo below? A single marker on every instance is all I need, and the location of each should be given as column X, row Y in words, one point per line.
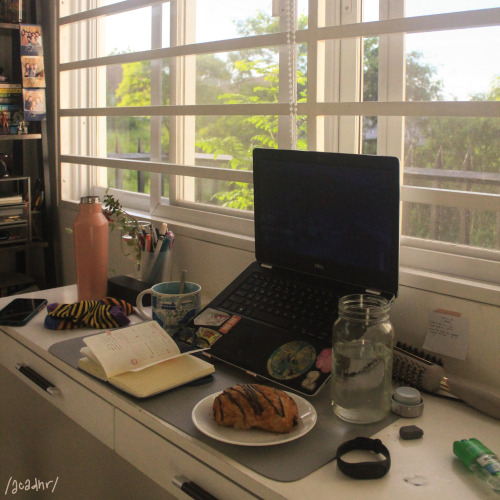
column 165, row 101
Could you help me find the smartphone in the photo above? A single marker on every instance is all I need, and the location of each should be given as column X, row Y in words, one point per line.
column 19, row 311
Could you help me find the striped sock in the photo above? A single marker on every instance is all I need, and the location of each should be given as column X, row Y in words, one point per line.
column 107, row 313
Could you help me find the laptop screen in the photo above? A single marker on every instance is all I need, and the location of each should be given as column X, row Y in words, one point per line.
column 332, row 215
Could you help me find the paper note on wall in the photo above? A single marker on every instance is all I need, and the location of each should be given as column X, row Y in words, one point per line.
column 447, row 334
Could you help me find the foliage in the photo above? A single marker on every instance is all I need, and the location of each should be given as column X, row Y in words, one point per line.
column 120, row 219
column 421, row 85
column 256, row 80
column 251, row 76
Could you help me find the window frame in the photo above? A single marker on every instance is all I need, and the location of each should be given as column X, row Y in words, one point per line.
column 442, row 261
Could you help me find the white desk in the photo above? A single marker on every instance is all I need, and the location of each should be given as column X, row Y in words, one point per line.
column 424, row 468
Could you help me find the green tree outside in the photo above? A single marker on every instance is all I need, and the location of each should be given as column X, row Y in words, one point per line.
column 251, row 76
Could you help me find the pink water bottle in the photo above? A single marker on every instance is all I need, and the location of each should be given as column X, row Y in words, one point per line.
column 90, row 237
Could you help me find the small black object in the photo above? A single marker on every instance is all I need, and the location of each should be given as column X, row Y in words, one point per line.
column 126, row 288
column 4, row 170
column 410, row 432
column 21, row 310
column 364, row 470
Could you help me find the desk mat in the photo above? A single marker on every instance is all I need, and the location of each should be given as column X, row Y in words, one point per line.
column 284, row 462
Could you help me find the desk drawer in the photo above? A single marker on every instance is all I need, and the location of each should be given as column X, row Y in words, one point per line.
column 78, row 403
column 162, row 461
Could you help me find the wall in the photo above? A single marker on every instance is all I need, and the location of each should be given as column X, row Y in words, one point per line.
column 214, row 266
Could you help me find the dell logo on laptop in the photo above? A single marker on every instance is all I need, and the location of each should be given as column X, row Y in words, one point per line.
column 319, row 266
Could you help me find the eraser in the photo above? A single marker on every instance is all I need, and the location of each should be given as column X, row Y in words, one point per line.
column 411, row 432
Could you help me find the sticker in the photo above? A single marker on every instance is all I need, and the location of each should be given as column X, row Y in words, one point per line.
column 211, row 317
column 324, row 361
column 291, row 360
column 207, row 336
column 229, row 324
column 309, row 382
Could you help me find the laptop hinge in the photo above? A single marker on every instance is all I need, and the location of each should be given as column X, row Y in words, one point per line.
column 267, row 266
column 389, row 296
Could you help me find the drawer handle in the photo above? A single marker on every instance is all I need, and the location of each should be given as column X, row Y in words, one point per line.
column 191, row 489
column 38, row 379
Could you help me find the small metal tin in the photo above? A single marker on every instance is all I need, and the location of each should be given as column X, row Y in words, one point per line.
column 407, row 402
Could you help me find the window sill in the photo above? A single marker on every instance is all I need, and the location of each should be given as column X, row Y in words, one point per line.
column 462, row 288
column 453, row 286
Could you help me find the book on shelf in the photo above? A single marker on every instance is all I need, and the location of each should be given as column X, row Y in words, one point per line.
column 11, row 200
column 11, row 96
column 12, row 100
column 12, row 211
column 9, row 107
column 141, row 359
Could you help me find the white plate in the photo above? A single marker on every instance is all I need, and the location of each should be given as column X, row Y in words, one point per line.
column 203, row 419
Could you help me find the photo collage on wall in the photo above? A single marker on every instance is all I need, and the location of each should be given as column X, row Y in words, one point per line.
column 33, row 72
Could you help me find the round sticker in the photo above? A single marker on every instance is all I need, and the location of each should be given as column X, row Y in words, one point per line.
column 291, row 360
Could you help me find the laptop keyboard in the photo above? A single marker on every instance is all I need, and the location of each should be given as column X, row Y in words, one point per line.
column 307, row 311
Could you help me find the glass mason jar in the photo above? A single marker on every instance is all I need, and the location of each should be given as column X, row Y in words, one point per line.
column 362, row 359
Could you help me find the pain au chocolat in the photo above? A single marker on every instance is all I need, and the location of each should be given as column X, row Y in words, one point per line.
column 249, row 406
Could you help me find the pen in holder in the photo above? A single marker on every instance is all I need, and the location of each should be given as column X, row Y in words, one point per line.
column 156, row 259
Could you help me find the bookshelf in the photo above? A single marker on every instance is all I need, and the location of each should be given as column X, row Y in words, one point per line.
column 26, row 252
column 15, row 213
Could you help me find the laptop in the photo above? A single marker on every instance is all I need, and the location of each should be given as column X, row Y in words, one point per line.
column 326, row 226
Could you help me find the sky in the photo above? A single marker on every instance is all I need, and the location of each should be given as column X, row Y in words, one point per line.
column 469, row 71
column 471, row 68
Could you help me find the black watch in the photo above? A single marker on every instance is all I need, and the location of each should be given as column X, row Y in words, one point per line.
column 364, row 470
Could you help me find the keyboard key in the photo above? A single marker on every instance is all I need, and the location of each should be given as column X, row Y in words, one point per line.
column 271, row 319
column 307, row 311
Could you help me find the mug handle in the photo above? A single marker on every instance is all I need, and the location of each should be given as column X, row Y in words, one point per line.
column 142, row 312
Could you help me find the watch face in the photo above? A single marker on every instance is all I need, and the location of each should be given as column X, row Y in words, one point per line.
column 291, row 360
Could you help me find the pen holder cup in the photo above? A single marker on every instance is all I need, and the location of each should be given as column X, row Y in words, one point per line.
column 171, row 309
column 156, row 267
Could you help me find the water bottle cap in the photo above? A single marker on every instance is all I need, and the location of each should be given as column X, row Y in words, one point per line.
column 89, row 200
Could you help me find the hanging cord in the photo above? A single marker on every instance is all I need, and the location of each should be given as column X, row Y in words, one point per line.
column 291, row 16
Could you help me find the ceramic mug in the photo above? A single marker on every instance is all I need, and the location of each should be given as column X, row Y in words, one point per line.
column 170, row 308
